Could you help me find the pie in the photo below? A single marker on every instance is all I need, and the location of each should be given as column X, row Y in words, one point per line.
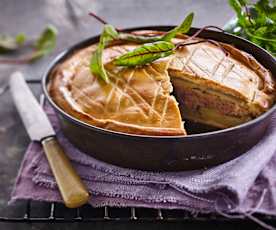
column 211, row 88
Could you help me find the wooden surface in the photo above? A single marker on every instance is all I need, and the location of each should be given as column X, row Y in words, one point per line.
column 31, row 16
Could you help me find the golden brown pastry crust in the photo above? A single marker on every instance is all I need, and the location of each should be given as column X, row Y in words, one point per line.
column 150, row 111
column 137, row 100
column 238, row 74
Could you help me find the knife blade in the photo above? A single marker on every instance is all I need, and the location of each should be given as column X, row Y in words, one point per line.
column 39, row 128
column 34, row 118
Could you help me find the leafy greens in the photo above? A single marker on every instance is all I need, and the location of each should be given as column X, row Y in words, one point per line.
column 96, row 63
column 255, row 22
column 153, row 48
column 46, row 43
column 183, row 28
column 9, row 43
column 42, row 46
column 146, row 53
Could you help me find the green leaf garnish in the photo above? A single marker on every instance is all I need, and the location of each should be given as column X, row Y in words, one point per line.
column 20, row 39
column 269, row 8
column 138, row 38
column 109, row 34
column 46, row 43
column 255, row 22
column 154, row 47
column 96, row 63
column 42, row 46
column 183, row 28
column 9, row 43
column 146, row 53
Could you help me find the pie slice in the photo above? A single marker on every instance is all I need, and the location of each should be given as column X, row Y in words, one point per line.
column 137, row 100
column 220, row 86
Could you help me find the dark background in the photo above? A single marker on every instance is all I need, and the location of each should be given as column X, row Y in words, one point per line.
column 31, row 16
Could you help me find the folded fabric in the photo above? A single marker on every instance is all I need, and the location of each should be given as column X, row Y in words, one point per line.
column 245, row 184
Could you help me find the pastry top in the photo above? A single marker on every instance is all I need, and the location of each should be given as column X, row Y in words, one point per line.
column 137, row 100
column 226, row 69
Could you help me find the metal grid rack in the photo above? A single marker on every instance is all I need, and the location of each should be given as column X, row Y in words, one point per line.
column 58, row 213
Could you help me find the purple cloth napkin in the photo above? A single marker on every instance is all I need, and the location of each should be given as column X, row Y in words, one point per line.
column 245, row 184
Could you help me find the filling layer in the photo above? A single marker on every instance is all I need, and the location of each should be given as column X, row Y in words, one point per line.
column 208, row 107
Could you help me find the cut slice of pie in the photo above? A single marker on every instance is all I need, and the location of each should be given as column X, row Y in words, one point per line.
column 220, row 85
column 137, row 100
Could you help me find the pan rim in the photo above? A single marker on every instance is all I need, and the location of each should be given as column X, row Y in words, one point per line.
column 69, row 51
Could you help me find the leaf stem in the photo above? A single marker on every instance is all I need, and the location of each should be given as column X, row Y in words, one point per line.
column 204, row 28
column 18, row 61
column 100, row 19
column 180, row 44
column 205, row 40
column 201, row 41
column 248, row 14
column 258, row 37
column 218, row 45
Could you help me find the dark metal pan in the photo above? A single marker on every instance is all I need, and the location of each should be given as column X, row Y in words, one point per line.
column 200, row 150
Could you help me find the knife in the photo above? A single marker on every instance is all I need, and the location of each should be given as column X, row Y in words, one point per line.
column 73, row 191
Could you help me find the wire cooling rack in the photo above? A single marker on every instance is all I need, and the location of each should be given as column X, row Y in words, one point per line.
column 56, row 212
column 44, row 212
column 51, row 212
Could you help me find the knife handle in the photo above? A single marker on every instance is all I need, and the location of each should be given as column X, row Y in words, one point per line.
column 72, row 189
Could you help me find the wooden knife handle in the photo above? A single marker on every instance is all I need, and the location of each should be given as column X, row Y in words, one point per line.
column 72, row 189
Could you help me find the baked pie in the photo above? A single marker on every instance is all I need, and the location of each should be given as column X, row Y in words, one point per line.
column 137, row 100
column 212, row 87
